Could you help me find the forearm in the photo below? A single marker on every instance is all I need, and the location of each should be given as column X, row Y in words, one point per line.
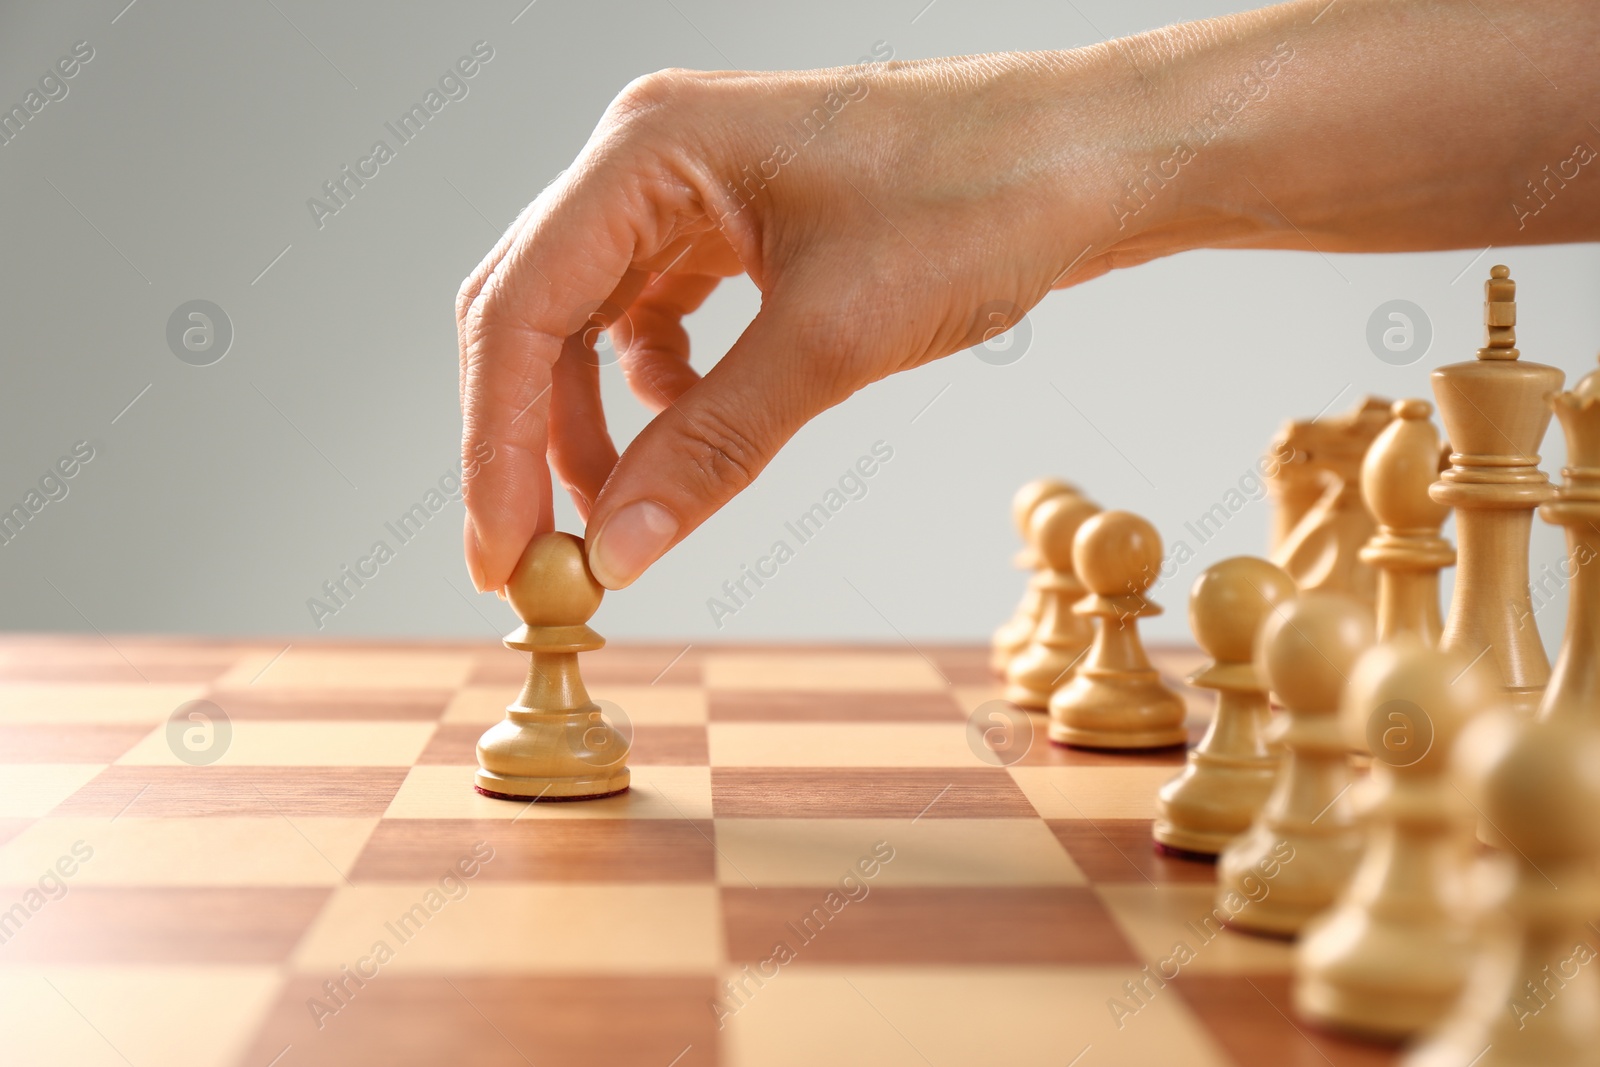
column 896, row 212
column 1373, row 126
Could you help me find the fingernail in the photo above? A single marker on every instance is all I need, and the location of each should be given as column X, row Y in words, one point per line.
column 474, row 554
column 630, row 541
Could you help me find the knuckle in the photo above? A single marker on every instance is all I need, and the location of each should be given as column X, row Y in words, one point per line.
column 651, row 376
column 487, row 304
column 725, row 456
column 465, row 296
column 650, row 93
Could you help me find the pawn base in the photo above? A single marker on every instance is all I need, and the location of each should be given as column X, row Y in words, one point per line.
column 1286, row 877
column 1036, row 672
column 1193, row 855
column 1213, row 801
column 1376, row 1014
column 1387, row 967
column 1030, row 699
column 1117, row 739
column 1100, row 708
column 505, row 787
column 1001, row 655
column 1188, row 843
column 566, row 755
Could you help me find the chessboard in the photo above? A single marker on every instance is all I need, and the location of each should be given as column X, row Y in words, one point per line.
column 813, row 865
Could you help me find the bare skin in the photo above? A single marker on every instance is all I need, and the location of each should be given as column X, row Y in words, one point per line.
column 936, row 188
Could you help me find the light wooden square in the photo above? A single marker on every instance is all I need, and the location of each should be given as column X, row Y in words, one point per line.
column 822, row 672
column 970, row 697
column 902, row 1017
column 495, row 928
column 29, row 790
column 176, row 1016
column 269, row 743
column 484, row 704
column 320, row 668
column 214, row 851
column 47, row 702
column 834, row 744
column 927, row 852
column 1092, row 792
column 1157, row 919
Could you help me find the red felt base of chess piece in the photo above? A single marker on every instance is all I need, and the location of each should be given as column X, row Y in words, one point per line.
column 548, row 800
column 1183, row 853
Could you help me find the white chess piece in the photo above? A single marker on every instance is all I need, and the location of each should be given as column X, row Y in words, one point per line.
column 1228, row 775
column 1305, row 835
column 1388, row 959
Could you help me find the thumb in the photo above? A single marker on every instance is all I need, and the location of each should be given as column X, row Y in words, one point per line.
column 703, row 449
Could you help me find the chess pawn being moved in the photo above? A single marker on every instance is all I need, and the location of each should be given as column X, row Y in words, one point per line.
column 1013, row 636
column 1533, row 997
column 1115, row 698
column 1060, row 638
column 1229, row 773
column 1388, row 960
column 553, row 743
column 1299, row 853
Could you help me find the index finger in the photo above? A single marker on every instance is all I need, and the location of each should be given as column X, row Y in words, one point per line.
column 568, row 255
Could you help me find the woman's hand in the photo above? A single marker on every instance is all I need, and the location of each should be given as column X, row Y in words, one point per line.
column 890, row 213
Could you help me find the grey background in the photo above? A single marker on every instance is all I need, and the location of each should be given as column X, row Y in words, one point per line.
column 178, row 168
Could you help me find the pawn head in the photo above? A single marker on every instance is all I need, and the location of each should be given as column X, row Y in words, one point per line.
column 1406, row 701
column 551, row 584
column 1309, row 646
column 1117, row 553
column 1054, row 525
column 1031, row 495
column 1537, row 783
column 1230, row 603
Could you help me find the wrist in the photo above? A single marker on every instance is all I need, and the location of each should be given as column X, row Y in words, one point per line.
column 1133, row 149
column 1207, row 98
